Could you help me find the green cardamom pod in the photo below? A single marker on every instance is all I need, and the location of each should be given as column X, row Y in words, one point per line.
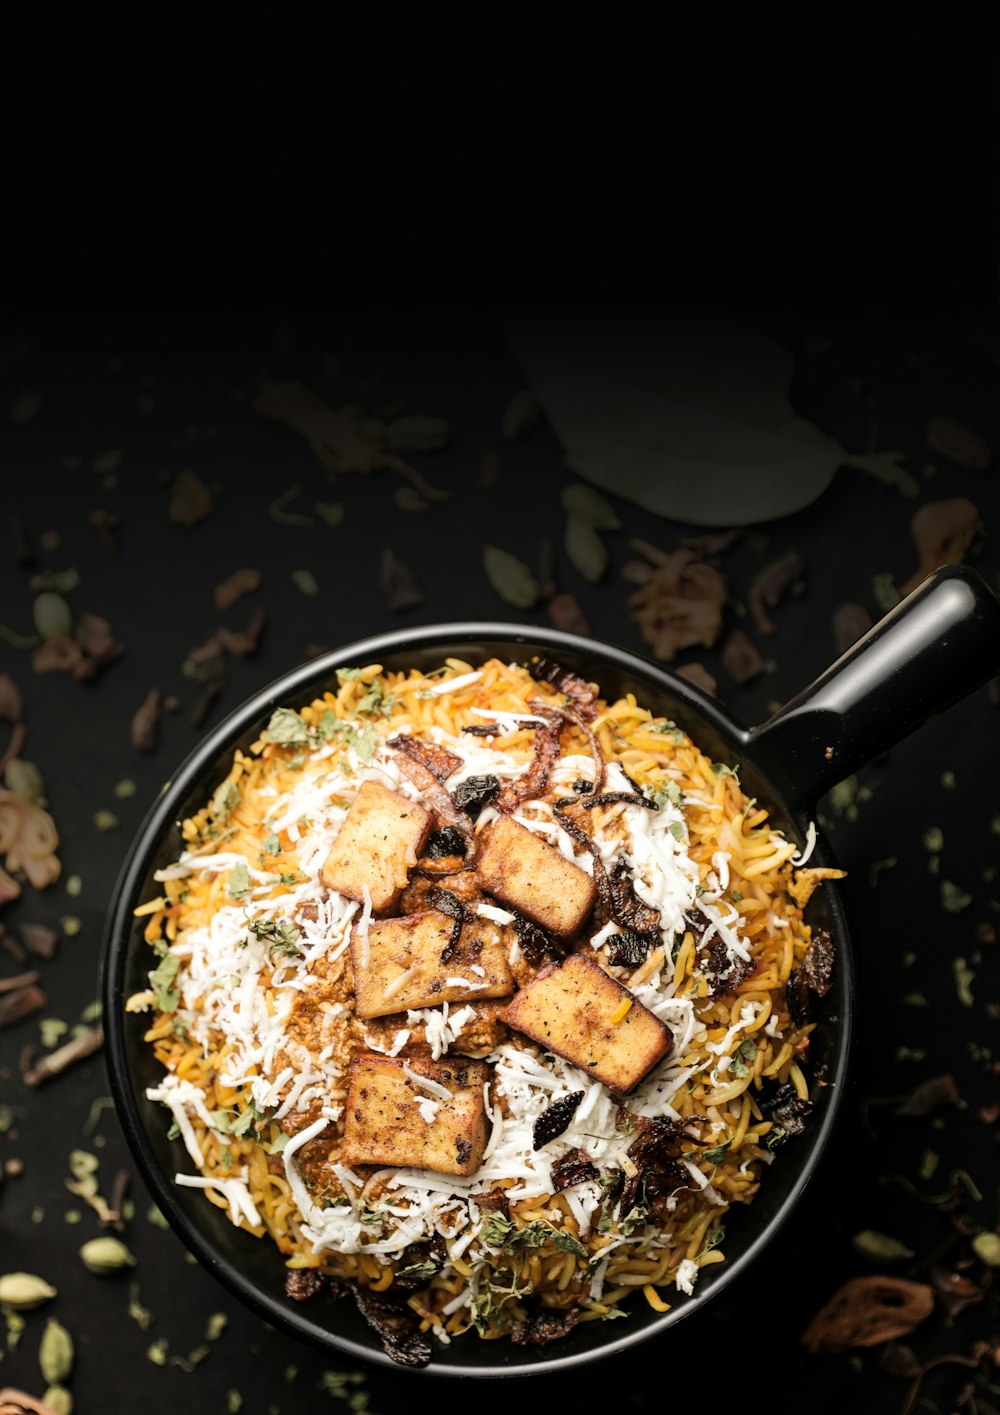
column 55, row 1354
column 24, row 1290
column 106, row 1255
column 53, row 616
column 59, row 1400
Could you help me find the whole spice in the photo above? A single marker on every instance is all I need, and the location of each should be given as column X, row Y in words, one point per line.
column 59, row 1400
column 52, row 615
column 585, row 550
column 58, row 1061
column 22, row 1291
column 55, row 1353
column 768, row 587
column 952, row 439
column 238, row 584
column 942, row 531
column 510, row 577
column 190, row 499
column 867, row 1311
column 106, row 1256
column 23, row 1002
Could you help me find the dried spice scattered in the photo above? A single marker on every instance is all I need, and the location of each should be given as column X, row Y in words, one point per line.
column 930, row 1096
column 397, row 584
column 681, row 602
column 190, row 499
column 235, row 586
column 565, row 612
column 880, row 1247
column 741, row 658
column 81, row 1046
column 510, row 577
column 146, row 722
column 768, row 587
column 942, row 531
column 24, row 1291
column 867, row 1311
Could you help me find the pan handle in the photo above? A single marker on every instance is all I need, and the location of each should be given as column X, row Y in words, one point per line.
column 936, row 646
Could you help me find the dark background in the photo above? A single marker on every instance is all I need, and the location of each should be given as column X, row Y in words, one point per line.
column 174, row 393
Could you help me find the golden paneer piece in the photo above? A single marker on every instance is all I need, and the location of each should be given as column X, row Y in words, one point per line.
column 376, row 846
column 399, row 965
column 576, row 1010
column 392, row 1119
column 535, row 878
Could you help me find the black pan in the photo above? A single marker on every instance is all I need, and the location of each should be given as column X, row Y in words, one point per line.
column 938, row 645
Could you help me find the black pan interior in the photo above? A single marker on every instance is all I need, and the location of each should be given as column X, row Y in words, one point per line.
column 252, row 1268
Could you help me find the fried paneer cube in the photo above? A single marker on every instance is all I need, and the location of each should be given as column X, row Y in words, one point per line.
column 535, row 878
column 376, row 846
column 398, row 965
column 392, row 1119
column 581, row 1013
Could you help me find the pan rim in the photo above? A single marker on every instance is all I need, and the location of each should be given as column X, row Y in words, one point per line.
column 119, row 927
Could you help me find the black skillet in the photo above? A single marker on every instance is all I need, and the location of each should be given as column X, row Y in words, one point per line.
column 938, row 645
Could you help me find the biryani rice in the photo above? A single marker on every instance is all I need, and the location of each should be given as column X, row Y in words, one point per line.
column 739, row 857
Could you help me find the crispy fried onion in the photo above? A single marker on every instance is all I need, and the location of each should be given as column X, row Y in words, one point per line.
column 396, row 1326
column 616, row 890
column 437, row 759
column 580, row 693
column 28, row 837
column 438, row 799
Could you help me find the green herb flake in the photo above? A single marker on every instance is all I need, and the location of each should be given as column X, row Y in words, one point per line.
column 953, row 899
column 419, row 1271
column 306, row 583
column 914, row 999
column 331, row 513
column 141, row 1315
column 105, row 820
column 964, row 978
column 744, row 1059
column 217, row 1324
column 884, row 591
column 933, row 839
column 716, row 1154
column 272, row 845
column 155, row 1217
column 928, row 1164
column 239, row 881
column 905, row 1053
column 721, row 769
column 161, row 980
column 876, row 868
column 635, row 1218
column 52, row 1028
column 225, row 799
column 287, row 728
column 678, row 831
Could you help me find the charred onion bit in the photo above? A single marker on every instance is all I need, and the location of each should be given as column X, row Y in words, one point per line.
column 475, row 794
column 610, row 797
column 396, row 1326
column 788, row 1112
column 531, row 785
column 727, row 973
column 496, row 1201
column 536, row 944
column 554, row 1119
column 660, row 1173
column 450, row 904
column 812, row 975
column 577, row 689
column 575, row 1167
column 629, row 948
column 867, row 1311
column 445, row 842
column 625, row 906
column 438, row 760
column 545, row 1327
column 303, row 1283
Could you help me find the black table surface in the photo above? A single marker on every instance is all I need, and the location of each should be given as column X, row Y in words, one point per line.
column 175, row 394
